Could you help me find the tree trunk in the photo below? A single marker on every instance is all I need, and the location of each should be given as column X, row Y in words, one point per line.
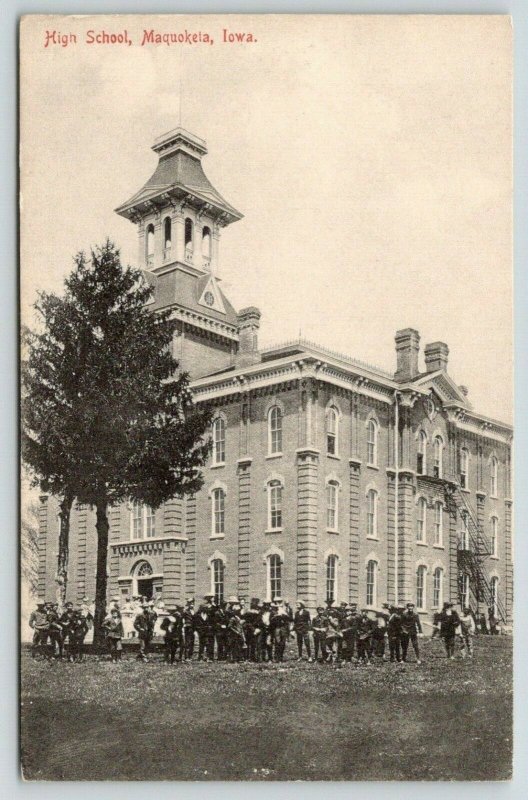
column 102, row 562
column 61, row 577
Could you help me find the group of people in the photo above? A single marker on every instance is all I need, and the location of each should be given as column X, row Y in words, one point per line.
column 234, row 631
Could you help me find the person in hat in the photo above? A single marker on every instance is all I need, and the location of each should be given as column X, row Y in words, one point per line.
column 320, row 628
column 88, row 611
column 379, row 631
column 411, row 627
column 364, row 637
column 66, row 620
column 266, row 642
column 251, row 621
column 38, row 622
column 204, row 626
column 113, row 628
column 334, row 634
column 188, row 629
column 349, row 631
column 449, row 623
column 279, row 628
column 467, row 631
column 302, row 625
column 220, row 619
column 172, row 625
column 235, row 634
column 144, row 625
column 55, row 630
column 77, row 635
column 394, row 632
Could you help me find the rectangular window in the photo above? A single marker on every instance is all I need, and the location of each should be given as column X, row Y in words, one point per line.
column 218, row 580
column 438, row 525
column 218, row 512
column 331, row 506
column 275, row 506
column 437, row 588
column 137, row 520
column 331, row 579
column 420, row 587
column 420, row 527
column 371, row 583
column 150, row 523
column 275, row 576
column 420, row 464
column 372, row 522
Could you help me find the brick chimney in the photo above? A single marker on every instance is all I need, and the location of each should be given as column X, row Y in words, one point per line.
column 436, row 356
column 248, row 326
column 407, row 349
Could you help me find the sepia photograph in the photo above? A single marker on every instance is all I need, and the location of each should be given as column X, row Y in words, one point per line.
column 266, row 381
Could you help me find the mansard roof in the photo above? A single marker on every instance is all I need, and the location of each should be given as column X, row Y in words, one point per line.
column 180, row 176
column 182, row 287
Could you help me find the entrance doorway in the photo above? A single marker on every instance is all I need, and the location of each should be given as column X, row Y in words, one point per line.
column 145, row 588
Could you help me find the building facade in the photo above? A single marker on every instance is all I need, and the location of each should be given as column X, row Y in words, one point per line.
column 329, row 478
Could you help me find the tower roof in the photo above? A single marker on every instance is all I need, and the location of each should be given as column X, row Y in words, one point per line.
column 179, row 176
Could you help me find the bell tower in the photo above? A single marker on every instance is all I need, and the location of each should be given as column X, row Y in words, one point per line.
column 178, row 212
column 179, row 215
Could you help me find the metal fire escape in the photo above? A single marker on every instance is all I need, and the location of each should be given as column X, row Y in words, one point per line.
column 473, row 550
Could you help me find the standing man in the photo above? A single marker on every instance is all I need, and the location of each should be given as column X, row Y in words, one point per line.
column 467, row 631
column 220, row 630
column 38, row 621
column 302, row 625
column 364, row 637
column 144, row 625
column 394, row 633
column 411, row 627
column 78, row 631
column 203, row 625
column 266, row 644
column 449, row 622
column 173, row 628
column 280, row 628
column 251, row 621
column 188, row 629
column 320, row 628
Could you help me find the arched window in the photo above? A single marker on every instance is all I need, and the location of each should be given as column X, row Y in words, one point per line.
column 438, row 449
column 150, row 245
column 372, row 514
column 494, row 542
column 219, row 441
column 421, row 520
column 464, row 468
column 143, row 570
column 206, row 244
column 421, row 599
column 274, row 430
column 274, row 505
column 464, row 590
column 332, row 490
column 274, row 576
column 421, row 460
column 332, row 431
column 372, row 443
column 331, row 579
column 372, row 583
column 217, row 579
column 189, row 232
column 494, row 589
column 218, row 512
column 464, row 533
column 494, row 474
column 167, row 238
column 438, row 524
column 438, row 587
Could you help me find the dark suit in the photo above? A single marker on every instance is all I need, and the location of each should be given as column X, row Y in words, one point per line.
column 188, row 632
column 394, row 632
column 302, row 624
column 411, row 627
column 204, row 627
column 173, row 628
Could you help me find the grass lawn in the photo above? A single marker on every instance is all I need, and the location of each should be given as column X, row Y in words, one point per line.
column 443, row 720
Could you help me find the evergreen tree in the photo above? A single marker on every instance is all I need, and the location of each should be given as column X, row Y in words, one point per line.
column 138, row 435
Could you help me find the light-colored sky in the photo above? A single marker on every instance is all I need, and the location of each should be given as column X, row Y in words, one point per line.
column 371, row 157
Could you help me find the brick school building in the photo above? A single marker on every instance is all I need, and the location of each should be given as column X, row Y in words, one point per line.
column 329, row 479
